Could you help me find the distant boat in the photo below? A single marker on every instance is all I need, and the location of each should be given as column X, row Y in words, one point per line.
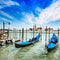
column 2, row 42
column 53, row 42
column 8, row 42
column 26, row 43
column 5, row 42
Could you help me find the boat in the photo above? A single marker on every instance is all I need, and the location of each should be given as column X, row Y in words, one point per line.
column 27, row 43
column 53, row 42
column 2, row 42
column 9, row 42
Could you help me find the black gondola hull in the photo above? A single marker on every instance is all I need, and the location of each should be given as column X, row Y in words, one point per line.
column 21, row 45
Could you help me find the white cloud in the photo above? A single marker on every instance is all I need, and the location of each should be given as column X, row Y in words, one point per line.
column 5, row 3
column 52, row 13
column 7, row 15
column 3, row 19
column 28, row 18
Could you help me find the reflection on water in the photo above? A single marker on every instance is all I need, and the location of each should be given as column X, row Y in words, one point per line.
column 32, row 52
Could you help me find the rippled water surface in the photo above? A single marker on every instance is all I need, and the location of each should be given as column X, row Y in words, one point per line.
column 32, row 52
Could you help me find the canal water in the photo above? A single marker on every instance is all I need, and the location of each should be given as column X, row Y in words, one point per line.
column 36, row 51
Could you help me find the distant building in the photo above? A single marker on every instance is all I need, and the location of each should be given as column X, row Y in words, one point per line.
column 39, row 28
column 48, row 29
column 36, row 28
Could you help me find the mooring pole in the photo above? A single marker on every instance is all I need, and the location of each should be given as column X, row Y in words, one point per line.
column 3, row 28
column 22, row 34
column 19, row 34
column 49, row 33
column 58, row 33
column 33, row 31
column 41, row 33
column 8, row 33
column 46, row 36
column 26, row 34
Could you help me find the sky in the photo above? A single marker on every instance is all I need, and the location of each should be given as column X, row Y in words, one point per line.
column 26, row 13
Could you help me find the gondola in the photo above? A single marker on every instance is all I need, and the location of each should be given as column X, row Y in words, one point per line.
column 53, row 42
column 27, row 43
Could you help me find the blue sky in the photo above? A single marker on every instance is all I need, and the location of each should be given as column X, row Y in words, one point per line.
column 26, row 13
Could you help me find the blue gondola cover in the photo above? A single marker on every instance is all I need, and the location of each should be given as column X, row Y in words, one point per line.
column 52, row 42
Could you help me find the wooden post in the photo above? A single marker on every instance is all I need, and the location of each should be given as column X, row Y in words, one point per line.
column 58, row 33
column 19, row 34
column 22, row 34
column 8, row 33
column 33, row 31
column 49, row 33
column 46, row 34
column 46, row 37
column 3, row 28
column 26, row 34
column 41, row 33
